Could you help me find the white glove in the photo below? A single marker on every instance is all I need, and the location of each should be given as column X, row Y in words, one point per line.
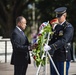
column 47, row 47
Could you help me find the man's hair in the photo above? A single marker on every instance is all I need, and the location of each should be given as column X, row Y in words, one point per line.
column 65, row 14
column 18, row 19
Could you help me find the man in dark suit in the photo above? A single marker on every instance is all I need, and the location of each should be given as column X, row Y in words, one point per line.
column 61, row 43
column 20, row 44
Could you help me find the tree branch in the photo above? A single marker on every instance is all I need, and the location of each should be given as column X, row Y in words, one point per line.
column 20, row 5
column 3, row 7
column 2, row 23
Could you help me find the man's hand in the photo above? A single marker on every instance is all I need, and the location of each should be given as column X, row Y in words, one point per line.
column 34, row 46
column 47, row 47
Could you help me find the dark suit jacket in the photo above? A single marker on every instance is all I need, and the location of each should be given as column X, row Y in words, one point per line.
column 20, row 55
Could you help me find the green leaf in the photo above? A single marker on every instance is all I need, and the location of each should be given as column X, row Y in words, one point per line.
column 42, row 39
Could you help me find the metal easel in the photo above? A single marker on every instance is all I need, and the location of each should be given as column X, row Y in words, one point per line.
column 45, row 54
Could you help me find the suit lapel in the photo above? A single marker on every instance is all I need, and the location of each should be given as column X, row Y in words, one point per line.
column 23, row 37
column 20, row 33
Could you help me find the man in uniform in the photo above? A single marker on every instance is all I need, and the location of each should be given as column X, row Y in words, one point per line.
column 60, row 44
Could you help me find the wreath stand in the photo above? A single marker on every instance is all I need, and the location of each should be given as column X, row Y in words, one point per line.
column 45, row 54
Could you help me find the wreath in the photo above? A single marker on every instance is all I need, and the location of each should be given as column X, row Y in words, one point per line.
column 41, row 39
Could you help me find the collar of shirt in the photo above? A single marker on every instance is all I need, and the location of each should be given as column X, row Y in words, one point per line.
column 62, row 22
column 19, row 28
column 54, row 26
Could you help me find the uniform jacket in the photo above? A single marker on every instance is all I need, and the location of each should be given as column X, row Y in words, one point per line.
column 61, row 42
column 20, row 43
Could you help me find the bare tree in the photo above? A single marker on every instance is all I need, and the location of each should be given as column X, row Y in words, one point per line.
column 9, row 10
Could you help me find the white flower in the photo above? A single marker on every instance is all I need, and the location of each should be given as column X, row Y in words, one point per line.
column 41, row 31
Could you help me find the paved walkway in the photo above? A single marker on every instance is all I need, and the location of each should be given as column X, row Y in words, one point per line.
column 7, row 69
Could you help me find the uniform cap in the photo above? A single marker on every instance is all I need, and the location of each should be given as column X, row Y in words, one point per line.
column 60, row 11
